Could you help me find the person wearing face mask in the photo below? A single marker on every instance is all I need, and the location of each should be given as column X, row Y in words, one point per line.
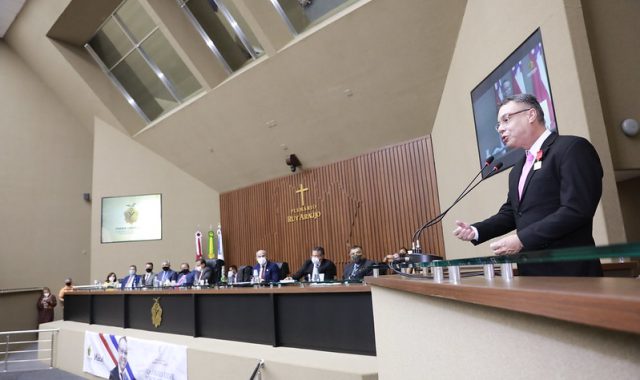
column 316, row 265
column 46, row 303
column 232, row 274
column 132, row 280
column 359, row 267
column 167, row 275
column 111, row 282
column 202, row 273
column 68, row 287
column 266, row 270
column 148, row 278
column 185, row 277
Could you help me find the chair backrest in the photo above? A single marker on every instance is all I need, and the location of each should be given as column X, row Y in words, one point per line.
column 244, row 273
column 284, row 269
column 216, row 270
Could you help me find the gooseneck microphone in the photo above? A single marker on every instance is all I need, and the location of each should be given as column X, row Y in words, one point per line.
column 464, row 193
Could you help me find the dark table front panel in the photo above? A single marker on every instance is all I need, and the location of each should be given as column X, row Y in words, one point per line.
column 339, row 322
column 239, row 317
column 109, row 310
column 78, row 308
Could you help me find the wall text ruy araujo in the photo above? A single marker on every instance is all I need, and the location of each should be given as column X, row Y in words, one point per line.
column 303, row 213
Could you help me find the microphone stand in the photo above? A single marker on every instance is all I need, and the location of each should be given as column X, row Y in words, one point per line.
column 464, row 193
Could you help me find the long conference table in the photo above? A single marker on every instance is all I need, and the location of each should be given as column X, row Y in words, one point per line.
column 330, row 317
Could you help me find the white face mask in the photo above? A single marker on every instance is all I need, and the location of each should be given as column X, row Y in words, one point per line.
column 230, row 273
column 132, row 272
column 262, row 260
column 315, row 259
column 196, row 269
column 112, row 279
column 46, row 294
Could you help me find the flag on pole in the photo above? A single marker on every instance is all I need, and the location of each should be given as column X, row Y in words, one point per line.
column 198, row 244
column 220, row 247
column 212, row 255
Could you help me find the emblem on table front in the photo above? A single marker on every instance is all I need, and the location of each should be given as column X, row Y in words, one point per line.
column 156, row 313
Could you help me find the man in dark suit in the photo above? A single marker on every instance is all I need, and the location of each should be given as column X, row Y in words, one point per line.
column 266, row 270
column 315, row 266
column 148, row 278
column 553, row 193
column 185, row 276
column 132, row 280
column 120, row 372
column 202, row 273
column 167, row 275
column 359, row 267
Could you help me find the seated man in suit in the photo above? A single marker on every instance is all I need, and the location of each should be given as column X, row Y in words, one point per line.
column 148, row 278
column 359, row 267
column 202, row 273
column 132, row 280
column 266, row 270
column 185, row 277
column 167, row 275
column 232, row 275
column 315, row 266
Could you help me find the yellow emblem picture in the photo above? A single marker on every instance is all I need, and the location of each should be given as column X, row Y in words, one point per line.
column 131, row 214
column 156, row 313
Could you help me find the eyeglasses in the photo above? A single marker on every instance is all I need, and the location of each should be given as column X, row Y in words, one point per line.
column 506, row 118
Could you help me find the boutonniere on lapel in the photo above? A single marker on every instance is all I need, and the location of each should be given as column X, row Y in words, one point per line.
column 537, row 164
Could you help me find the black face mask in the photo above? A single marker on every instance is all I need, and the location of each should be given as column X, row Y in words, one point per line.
column 148, row 270
column 165, row 268
column 184, row 271
column 67, row 283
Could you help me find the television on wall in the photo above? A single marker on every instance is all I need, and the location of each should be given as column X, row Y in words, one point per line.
column 523, row 71
column 131, row 218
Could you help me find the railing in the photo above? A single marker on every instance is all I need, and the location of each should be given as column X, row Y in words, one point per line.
column 257, row 371
column 19, row 352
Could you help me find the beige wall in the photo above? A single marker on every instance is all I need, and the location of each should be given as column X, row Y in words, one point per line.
column 124, row 167
column 46, row 160
column 613, row 31
column 485, row 39
column 456, row 340
column 630, row 198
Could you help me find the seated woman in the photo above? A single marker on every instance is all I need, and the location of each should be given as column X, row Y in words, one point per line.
column 111, row 282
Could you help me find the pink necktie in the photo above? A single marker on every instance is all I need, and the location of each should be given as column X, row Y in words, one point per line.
column 525, row 172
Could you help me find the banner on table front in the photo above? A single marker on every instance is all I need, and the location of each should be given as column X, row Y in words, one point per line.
column 120, row 357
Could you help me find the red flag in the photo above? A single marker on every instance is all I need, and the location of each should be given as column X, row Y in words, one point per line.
column 198, row 245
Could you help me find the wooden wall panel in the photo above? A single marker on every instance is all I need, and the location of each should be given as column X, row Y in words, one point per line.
column 376, row 200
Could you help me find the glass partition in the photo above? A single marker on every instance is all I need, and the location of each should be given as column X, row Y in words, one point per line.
column 615, row 251
column 131, row 49
column 302, row 14
column 224, row 31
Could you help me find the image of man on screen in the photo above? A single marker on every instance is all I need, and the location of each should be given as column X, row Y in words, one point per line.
column 553, row 193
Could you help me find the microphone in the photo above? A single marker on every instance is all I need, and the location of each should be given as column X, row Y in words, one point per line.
column 416, row 258
column 464, row 193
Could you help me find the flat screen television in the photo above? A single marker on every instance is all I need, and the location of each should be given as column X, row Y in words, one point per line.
column 131, row 218
column 523, row 71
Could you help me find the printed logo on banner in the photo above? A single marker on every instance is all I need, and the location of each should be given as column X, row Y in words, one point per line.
column 120, row 357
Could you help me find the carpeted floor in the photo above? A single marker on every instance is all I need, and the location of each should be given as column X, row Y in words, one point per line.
column 44, row 374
